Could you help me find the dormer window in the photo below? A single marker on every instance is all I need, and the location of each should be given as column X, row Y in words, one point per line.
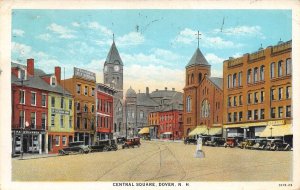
column 22, row 74
column 53, row 81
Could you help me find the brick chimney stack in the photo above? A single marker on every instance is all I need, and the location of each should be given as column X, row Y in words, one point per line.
column 58, row 74
column 147, row 90
column 30, row 67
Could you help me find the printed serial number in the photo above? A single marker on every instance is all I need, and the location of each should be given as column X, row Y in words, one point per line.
column 285, row 185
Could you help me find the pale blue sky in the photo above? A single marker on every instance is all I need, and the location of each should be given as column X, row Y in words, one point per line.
column 155, row 45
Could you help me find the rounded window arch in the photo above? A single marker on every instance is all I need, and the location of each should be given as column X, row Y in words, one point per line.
column 205, row 109
column 255, row 74
column 262, row 72
column 234, row 80
column 249, row 72
column 199, row 77
column 272, row 70
column 229, row 81
column 288, row 66
column 188, row 104
column 192, row 78
column 280, row 69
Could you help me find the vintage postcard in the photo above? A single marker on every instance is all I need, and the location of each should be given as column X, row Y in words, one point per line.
column 149, row 95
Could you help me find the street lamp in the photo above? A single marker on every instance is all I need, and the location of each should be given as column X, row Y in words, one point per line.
column 271, row 131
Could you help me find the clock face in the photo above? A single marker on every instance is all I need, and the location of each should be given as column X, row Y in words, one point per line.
column 105, row 69
column 116, row 68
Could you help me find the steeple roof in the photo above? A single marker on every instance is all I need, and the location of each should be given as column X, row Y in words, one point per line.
column 113, row 55
column 197, row 59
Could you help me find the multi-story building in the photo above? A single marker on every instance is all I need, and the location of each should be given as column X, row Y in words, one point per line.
column 60, row 113
column 104, row 112
column 203, row 96
column 29, row 108
column 258, row 92
column 83, row 87
column 139, row 105
column 113, row 77
column 153, row 123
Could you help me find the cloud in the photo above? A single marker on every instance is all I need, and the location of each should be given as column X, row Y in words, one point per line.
column 217, row 73
column 214, row 59
column 18, row 32
column 45, row 37
column 153, row 76
column 187, row 37
column 62, row 31
column 132, row 38
column 75, row 24
column 165, row 54
column 243, row 31
column 102, row 29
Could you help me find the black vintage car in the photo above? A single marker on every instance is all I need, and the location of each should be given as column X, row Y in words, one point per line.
column 121, row 140
column 104, row 145
column 279, row 145
column 189, row 140
column 75, row 147
column 216, row 141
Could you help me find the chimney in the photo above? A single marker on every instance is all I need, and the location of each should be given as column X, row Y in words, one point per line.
column 166, row 88
column 57, row 74
column 30, row 67
column 147, row 90
column 173, row 89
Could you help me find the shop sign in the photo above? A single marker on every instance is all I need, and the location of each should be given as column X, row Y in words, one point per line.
column 59, row 111
column 30, row 132
column 278, row 122
column 84, row 74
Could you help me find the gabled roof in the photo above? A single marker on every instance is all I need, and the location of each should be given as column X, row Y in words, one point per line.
column 37, row 82
column 197, row 59
column 145, row 100
column 217, row 81
column 113, row 55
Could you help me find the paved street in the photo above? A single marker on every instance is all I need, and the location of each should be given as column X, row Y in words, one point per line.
column 159, row 161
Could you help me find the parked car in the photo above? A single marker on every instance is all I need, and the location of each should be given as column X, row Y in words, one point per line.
column 256, row 144
column 205, row 139
column 189, row 140
column 121, row 140
column 263, row 144
column 216, row 141
column 75, row 147
column 279, row 145
column 247, row 143
column 132, row 142
column 230, row 142
column 104, row 145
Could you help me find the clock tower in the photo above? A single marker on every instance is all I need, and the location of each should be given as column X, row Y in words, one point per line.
column 113, row 70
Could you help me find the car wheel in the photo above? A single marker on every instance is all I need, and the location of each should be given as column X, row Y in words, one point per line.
column 105, row 149
column 81, row 151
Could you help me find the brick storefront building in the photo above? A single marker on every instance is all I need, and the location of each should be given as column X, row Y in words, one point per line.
column 82, row 85
column 104, row 111
column 203, row 95
column 258, row 92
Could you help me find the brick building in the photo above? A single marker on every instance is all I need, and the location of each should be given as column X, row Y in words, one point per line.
column 203, row 96
column 258, row 92
column 82, row 85
column 29, row 108
column 104, row 112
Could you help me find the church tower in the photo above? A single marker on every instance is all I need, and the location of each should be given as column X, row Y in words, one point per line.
column 113, row 70
column 195, row 71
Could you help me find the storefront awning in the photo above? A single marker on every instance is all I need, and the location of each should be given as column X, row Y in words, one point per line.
column 198, row 130
column 213, row 131
column 245, row 125
column 145, row 130
column 277, row 131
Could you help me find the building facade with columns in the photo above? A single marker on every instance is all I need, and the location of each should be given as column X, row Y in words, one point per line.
column 258, row 93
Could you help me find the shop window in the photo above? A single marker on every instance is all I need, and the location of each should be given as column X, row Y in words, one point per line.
column 22, row 96
column 44, row 100
column 33, row 98
column 64, row 140
column 288, row 111
column 288, row 66
column 273, row 113
column 262, row 113
column 78, row 88
column 249, row 114
column 280, row 112
column 57, row 140
column 272, row 70
column 52, row 101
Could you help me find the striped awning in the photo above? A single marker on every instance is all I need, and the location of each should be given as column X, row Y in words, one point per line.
column 213, row 131
column 277, row 130
column 145, row 130
column 245, row 125
column 198, row 130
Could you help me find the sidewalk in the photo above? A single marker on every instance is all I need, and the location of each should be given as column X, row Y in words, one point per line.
column 27, row 156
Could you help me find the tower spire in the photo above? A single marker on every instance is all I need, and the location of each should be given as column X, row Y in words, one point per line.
column 198, row 37
column 113, row 37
